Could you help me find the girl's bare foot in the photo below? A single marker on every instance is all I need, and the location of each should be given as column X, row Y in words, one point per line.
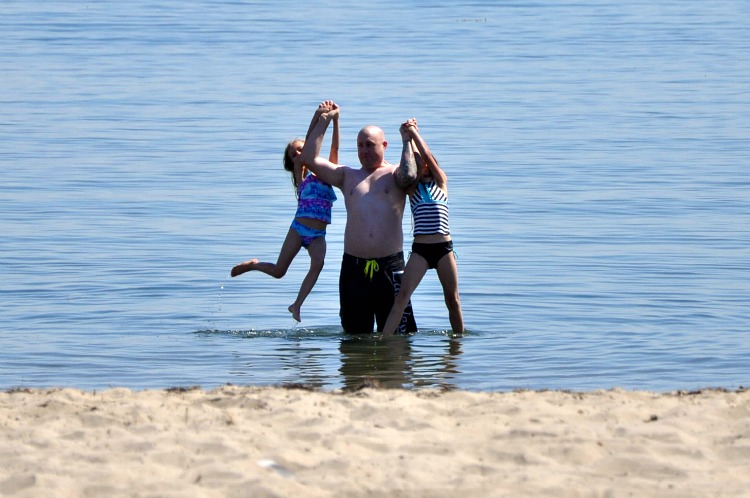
column 244, row 267
column 294, row 310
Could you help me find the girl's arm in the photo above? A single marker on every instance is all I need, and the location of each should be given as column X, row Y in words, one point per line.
column 437, row 173
column 334, row 154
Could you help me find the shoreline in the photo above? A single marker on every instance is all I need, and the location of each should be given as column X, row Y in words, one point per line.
column 299, row 441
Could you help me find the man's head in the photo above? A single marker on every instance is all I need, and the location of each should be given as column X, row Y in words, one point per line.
column 371, row 145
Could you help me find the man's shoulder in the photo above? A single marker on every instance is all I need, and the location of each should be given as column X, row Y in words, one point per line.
column 347, row 170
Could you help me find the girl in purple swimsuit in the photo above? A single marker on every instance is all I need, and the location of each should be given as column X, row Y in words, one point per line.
column 314, row 201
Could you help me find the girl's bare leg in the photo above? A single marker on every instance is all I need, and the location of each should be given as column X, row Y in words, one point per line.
column 289, row 250
column 243, row 267
column 317, row 252
column 448, row 274
column 413, row 274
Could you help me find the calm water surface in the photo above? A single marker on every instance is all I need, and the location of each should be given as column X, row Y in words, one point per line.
column 596, row 151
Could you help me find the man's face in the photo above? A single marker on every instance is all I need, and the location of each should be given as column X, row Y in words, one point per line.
column 371, row 146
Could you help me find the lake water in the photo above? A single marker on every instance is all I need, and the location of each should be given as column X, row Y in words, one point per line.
column 597, row 153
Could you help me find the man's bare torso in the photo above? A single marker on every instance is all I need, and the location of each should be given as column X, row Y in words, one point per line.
column 375, row 209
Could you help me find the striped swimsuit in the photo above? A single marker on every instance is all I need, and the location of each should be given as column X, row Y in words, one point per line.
column 429, row 205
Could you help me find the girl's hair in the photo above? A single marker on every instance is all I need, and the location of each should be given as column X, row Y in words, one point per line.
column 289, row 164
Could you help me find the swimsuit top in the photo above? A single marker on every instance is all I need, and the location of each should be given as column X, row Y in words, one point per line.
column 429, row 205
column 314, row 199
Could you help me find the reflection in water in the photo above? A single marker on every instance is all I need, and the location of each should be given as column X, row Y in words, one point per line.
column 393, row 362
column 303, row 361
column 324, row 359
column 443, row 373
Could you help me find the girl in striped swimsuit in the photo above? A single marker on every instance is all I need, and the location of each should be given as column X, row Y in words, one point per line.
column 432, row 246
column 314, row 202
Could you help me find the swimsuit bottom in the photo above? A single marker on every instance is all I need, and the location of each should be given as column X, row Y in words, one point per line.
column 432, row 253
column 308, row 234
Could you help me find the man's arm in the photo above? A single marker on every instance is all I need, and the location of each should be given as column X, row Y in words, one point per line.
column 406, row 173
column 333, row 156
column 329, row 172
column 320, row 110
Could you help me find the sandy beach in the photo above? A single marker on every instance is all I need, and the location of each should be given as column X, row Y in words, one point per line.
column 281, row 441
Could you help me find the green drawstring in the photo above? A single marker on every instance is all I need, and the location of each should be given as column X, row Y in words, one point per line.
column 371, row 266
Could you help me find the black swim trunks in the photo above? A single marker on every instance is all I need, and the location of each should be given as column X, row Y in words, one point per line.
column 367, row 288
column 432, row 253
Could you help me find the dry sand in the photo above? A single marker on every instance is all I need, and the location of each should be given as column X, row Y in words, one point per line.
column 250, row 441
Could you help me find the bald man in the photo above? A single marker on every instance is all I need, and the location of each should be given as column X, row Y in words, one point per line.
column 375, row 197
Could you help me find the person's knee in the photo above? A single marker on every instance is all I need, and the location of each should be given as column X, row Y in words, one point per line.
column 452, row 300
column 316, row 264
column 278, row 272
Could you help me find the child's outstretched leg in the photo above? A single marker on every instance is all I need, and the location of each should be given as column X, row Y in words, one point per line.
column 289, row 250
column 317, row 251
column 241, row 268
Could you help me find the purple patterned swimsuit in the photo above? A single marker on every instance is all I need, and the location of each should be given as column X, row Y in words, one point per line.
column 314, row 200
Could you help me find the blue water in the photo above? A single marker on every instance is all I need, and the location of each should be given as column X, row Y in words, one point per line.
column 597, row 154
